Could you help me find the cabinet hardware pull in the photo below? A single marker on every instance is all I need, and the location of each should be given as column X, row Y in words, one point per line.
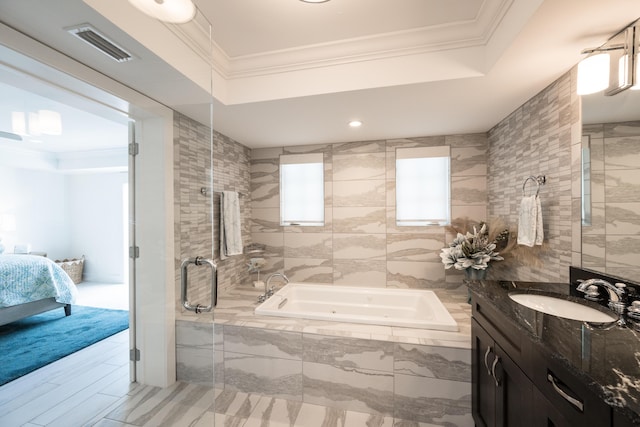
column 493, row 370
column 486, row 361
column 572, row 400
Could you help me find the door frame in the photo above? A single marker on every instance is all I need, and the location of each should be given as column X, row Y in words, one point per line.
column 154, row 281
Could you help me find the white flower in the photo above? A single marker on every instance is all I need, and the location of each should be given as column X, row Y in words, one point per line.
column 470, row 251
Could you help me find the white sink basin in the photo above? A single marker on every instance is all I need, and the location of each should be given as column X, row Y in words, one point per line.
column 562, row 308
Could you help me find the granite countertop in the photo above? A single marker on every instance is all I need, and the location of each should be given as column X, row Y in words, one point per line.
column 607, row 359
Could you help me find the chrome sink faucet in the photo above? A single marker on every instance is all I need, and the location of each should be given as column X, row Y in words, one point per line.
column 617, row 294
column 268, row 291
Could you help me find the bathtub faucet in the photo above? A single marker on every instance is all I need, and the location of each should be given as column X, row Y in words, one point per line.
column 268, row 291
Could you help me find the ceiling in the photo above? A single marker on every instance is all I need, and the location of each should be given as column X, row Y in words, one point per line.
column 289, row 73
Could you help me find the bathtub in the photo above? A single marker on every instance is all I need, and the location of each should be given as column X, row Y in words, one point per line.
column 409, row 308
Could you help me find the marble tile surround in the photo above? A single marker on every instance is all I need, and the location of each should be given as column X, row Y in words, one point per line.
column 192, row 171
column 611, row 242
column 360, row 243
column 412, row 375
column 541, row 137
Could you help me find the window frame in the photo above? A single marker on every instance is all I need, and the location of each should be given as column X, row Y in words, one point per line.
column 436, row 152
column 301, row 159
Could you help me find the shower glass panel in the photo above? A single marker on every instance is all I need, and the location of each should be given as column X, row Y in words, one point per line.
column 196, row 201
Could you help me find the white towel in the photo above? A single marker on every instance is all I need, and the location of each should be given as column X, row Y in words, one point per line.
column 230, row 227
column 530, row 227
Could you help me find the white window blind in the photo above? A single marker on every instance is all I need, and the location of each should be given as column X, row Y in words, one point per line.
column 423, row 186
column 302, row 189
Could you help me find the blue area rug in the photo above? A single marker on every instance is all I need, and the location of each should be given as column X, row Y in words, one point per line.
column 36, row 341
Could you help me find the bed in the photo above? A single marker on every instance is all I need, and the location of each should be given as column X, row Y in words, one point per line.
column 31, row 284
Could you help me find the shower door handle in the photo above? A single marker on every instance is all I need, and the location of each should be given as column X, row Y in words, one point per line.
column 184, row 282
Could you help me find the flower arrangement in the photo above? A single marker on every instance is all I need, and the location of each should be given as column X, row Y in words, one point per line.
column 474, row 250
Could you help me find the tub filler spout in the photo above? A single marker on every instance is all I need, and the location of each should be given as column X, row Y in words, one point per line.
column 269, row 290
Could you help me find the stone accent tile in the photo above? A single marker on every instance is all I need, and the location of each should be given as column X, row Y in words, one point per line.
column 265, row 220
column 263, row 342
column 359, row 220
column 360, row 193
column 359, row 273
column 468, row 161
column 309, row 270
column 307, row 245
column 266, row 153
column 280, row 378
column 412, row 247
column 622, row 185
column 359, row 147
column 359, row 390
column 350, row 167
column 622, row 251
column 622, row 129
column 350, row 353
column 306, row 149
column 430, row 400
column 476, row 212
column 468, row 140
column 444, row 363
column 537, row 139
column 265, row 171
column 265, row 195
column 416, row 275
column 469, row 190
column 359, row 246
column 622, row 218
column 192, row 222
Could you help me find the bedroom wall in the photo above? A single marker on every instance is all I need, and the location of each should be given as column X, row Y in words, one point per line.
column 96, row 224
column 67, row 216
column 36, row 200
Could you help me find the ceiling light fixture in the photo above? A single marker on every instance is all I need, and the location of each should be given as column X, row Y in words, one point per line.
column 44, row 122
column 355, row 123
column 314, row 1
column 172, row 11
column 613, row 66
column 593, row 74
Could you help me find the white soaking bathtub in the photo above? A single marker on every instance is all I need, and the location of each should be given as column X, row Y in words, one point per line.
column 409, row 308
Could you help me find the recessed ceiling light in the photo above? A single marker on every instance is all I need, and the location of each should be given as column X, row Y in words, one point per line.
column 355, row 123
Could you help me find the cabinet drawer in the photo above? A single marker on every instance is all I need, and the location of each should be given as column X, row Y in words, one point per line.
column 573, row 401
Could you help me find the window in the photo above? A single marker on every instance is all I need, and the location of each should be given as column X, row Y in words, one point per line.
column 423, row 186
column 302, row 189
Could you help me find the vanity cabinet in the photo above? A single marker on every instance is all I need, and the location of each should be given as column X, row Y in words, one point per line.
column 502, row 393
column 516, row 383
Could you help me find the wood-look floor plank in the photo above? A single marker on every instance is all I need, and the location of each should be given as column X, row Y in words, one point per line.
column 78, row 399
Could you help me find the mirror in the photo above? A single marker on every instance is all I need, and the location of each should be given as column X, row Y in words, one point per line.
column 611, row 183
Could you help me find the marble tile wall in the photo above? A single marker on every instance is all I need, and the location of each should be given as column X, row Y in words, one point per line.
column 360, row 244
column 419, row 383
column 192, row 169
column 611, row 242
column 542, row 137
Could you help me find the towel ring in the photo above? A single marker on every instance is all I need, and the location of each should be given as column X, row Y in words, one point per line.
column 539, row 180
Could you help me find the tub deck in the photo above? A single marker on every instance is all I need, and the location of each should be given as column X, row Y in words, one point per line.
column 236, row 307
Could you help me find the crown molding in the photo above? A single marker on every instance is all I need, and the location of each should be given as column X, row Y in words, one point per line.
column 437, row 38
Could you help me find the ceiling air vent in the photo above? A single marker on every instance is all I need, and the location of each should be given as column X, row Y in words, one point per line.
column 92, row 36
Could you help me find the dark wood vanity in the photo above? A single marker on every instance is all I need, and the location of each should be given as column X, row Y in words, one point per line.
column 535, row 369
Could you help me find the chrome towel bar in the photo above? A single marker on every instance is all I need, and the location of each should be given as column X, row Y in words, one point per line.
column 184, row 282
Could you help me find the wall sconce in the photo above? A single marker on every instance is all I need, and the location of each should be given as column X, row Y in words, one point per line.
column 593, row 74
column 613, row 66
